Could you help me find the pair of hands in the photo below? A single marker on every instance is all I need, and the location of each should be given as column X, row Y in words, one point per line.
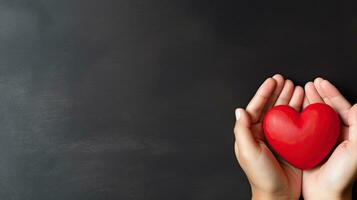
column 271, row 177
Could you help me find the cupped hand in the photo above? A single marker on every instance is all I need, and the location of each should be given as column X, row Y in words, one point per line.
column 334, row 178
column 269, row 177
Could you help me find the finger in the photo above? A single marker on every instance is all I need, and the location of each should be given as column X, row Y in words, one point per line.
column 244, row 138
column 260, row 99
column 352, row 119
column 297, row 98
column 311, row 93
column 286, row 93
column 306, row 102
column 317, row 83
column 279, row 79
column 339, row 103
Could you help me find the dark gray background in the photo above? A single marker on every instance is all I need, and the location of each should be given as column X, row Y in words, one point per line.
column 126, row 99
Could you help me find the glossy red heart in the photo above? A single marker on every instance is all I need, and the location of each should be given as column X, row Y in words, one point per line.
column 302, row 139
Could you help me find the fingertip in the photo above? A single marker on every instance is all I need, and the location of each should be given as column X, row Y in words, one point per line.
column 312, row 94
column 299, row 90
column 329, row 89
column 317, row 84
column 264, row 93
column 278, row 77
column 325, row 84
column 267, row 87
column 310, row 88
column 278, row 74
column 270, row 81
column 286, row 93
column 318, row 80
column 289, row 85
column 237, row 113
column 289, row 82
column 245, row 141
column 242, row 117
column 309, row 85
column 297, row 98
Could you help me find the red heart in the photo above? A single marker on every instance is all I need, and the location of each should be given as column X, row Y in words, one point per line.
column 302, row 139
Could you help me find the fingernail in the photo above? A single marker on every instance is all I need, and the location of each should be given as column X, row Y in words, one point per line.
column 237, row 114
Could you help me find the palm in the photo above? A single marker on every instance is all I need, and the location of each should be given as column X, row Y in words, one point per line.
column 331, row 172
column 283, row 173
column 339, row 170
column 276, row 170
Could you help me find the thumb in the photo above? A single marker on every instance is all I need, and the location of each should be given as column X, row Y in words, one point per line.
column 245, row 140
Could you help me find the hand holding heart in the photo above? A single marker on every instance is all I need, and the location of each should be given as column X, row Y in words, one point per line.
column 335, row 177
column 272, row 177
column 269, row 177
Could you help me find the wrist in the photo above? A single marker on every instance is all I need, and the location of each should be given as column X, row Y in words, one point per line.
column 270, row 197
column 346, row 195
column 262, row 195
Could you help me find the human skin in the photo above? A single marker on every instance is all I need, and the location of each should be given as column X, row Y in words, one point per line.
column 334, row 178
column 269, row 177
column 272, row 178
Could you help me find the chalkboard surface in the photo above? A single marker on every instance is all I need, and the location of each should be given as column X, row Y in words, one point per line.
column 125, row 99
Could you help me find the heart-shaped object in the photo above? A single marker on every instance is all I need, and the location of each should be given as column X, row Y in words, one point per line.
column 302, row 139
